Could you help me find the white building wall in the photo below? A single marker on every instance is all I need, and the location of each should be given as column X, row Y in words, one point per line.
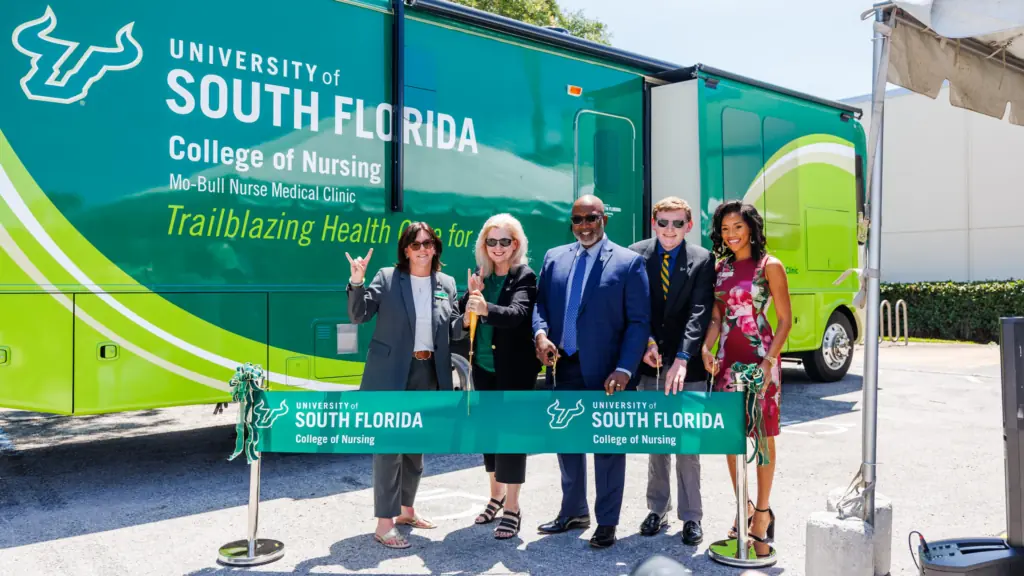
column 953, row 192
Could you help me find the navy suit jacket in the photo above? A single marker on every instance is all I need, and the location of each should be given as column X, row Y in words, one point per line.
column 614, row 317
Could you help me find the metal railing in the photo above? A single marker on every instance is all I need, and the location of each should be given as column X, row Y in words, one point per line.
column 885, row 317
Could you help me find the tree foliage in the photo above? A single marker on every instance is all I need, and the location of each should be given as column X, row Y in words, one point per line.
column 545, row 13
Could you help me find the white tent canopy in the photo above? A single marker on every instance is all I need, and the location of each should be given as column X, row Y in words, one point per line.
column 976, row 45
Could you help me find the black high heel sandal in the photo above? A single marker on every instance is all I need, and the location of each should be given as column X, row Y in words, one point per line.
column 493, row 507
column 769, row 535
column 750, row 521
column 509, row 525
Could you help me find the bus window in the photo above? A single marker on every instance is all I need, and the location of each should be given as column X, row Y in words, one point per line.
column 741, row 153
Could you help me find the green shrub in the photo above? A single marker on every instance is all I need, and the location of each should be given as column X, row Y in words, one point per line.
column 967, row 311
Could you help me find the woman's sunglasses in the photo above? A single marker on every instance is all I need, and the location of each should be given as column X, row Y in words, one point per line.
column 416, row 245
column 675, row 223
column 492, row 242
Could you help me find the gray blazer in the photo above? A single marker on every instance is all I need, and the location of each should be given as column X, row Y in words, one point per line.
column 389, row 297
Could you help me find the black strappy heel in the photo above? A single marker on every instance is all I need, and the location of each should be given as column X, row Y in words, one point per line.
column 750, row 522
column 769, row 535
column 509, row 525
column 493, row 507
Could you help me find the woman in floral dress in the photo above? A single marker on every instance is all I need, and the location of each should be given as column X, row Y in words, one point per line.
column 748, row 281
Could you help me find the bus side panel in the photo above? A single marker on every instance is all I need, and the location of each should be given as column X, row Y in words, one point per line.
column 538, row 146
column 35, row 351
column 114, row 372
column 795, row 162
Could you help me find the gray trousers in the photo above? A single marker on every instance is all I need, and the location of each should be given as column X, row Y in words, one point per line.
column 396, row 477
column 659, row 485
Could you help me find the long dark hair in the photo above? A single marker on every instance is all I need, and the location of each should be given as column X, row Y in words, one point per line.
column 758, row 244
column 409, row 236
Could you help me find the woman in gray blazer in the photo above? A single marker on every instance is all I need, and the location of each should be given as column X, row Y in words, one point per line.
column 417, row 318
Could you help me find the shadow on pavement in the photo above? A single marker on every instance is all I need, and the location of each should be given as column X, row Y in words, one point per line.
column 157, row 477
column 473, row 550
column 806, row 401
column 59, row 428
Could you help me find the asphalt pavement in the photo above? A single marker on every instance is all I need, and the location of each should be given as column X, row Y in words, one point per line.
column 153, row 493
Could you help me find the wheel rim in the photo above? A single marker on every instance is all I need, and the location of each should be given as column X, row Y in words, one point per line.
column 836, row 347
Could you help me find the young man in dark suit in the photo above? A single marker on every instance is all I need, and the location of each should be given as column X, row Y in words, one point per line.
column 682, row 277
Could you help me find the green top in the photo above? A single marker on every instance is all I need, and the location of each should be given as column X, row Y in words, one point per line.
column 483, row 356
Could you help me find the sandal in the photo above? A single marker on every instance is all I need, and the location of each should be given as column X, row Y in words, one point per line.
column 392, row 539
column 416, row 522
column 509, row 525
column 493, row 507
column 769, row 534
column 750, row 522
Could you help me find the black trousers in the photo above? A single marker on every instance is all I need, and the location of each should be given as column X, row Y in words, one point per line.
column 507, row 468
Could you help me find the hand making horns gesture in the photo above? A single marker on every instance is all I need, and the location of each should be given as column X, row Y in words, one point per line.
column 358, row 266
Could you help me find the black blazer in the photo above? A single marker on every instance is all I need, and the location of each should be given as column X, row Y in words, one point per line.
column 679, row 323
column 515, row 358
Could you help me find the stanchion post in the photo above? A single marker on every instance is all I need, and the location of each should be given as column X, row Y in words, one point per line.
column 741, row 494
column 252, row 551
column 723, row 551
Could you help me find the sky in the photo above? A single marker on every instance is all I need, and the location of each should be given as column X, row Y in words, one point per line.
column 821, row 47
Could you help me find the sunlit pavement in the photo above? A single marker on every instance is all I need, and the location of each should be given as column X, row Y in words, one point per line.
column 153, row 493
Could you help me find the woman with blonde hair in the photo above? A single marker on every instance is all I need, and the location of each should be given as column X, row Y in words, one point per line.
column 502, row 293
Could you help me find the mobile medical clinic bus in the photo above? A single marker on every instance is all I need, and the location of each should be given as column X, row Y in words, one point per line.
column 180, row 181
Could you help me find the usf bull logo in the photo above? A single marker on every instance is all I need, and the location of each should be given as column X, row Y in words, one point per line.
column 264, row 417
column 560, row 417
column 52, row 78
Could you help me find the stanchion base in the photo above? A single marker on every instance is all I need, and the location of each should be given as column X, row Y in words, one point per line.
column 237, row 553
column 725, row 552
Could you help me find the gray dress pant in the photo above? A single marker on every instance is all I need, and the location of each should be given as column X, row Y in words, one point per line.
column 396, row 477
column 659, row 485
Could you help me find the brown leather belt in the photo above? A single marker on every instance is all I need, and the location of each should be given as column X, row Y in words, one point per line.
column 422, row 354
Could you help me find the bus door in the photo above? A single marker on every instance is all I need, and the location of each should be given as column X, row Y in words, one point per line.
column 605, row 165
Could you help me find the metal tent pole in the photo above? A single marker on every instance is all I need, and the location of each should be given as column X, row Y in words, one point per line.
column 880, row 67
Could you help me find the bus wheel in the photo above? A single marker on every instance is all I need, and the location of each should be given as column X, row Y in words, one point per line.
column 831, row 362
column 460, row 372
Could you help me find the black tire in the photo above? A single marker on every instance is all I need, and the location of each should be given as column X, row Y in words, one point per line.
column 460, row 372
column 831, row 361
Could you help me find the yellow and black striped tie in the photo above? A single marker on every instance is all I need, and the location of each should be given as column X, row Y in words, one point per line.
column 664, row 276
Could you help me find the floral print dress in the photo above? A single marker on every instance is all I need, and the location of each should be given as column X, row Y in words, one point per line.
column 741, row 290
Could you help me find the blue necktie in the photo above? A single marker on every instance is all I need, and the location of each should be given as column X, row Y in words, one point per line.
column 573, row 307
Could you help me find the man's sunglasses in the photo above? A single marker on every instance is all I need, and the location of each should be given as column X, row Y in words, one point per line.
column 416, row 245
column 675, row 223
column 590, row 218
column 492, row 242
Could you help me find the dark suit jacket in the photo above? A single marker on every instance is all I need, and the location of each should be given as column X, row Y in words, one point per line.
column 515, row 358
column 389, row 298
column 679, row 323
column 614, row 315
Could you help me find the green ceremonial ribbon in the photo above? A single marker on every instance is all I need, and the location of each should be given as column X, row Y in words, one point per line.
column 752, row 377
column 245, row 384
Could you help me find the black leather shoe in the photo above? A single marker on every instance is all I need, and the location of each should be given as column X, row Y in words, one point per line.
column 653, row 524
column 603, row 537
column 692, row 533
column 564, row 524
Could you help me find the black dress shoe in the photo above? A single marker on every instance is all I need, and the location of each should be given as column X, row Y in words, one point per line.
column 653, row 524
column 564, row 524
column 692, row 533
column 603, row 537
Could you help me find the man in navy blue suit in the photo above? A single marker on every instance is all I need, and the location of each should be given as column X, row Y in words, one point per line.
column 592, row 319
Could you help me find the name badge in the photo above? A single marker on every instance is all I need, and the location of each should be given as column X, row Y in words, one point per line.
column 441, row 295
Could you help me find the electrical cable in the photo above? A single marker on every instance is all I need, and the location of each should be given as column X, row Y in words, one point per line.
column 924, row 544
